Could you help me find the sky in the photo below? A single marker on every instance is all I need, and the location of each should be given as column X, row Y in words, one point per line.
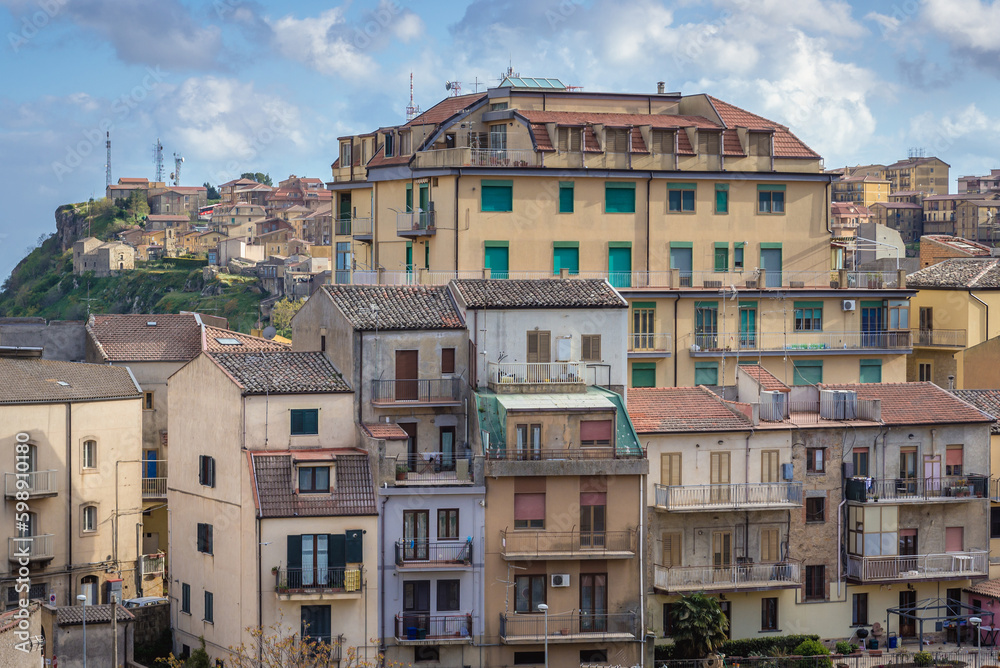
column 236, row 86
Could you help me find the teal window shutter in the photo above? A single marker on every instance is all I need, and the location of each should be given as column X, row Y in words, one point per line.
column 807, row 372
column 721, row 198
column 566, row 258
column 565, row 197
column 644, row 374
column 871, row 371
column 497, row 260
column 619, row 197
column 722, row 257
column 706, row 373
column 497, row 195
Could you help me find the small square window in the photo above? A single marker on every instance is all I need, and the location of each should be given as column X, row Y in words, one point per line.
column 680, row 198
column 314, row 479
column 305, row 421
column 816, row 509
column 771, row 201
column 590, row 347
column 815, row 460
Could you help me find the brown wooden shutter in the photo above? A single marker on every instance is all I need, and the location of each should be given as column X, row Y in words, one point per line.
column 563, row 139
column 708, row 143
column 722, row 548
column 769, row 466
column 769, row 545
column 538, row 347
column 671, row 549
column 447, row 360
column 720, row 468
column 670, row 469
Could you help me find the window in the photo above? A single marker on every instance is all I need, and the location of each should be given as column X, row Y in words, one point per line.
column 770, row 546
column 529, row 658
column 706, row 373
column 206, row 470
column 498, row 106
column 595, row 432
column 529, row 441
column 663, row 142
column 314, row 479
column 815, row 509
column 953, row 460
column 592, row 656
column 590, row 347
column 429, row 653
column 315, row 621
column 89, row 522
column 389, row 145
column 722, row 198
column 345, row 154
column 815, row 460
column 815, row 583
column 871, row 371
column 205, row 538
column 644, row 374
column 529, row 511
column 538, row 346
column 616, row 140
column 90, row 454
column 448, row 595
column 565, row 197
column 769, row 466
column 498, row 136
column 671, row 543
column 769, row 614
column 209, row 607
column 643, row 325
column 447, row 360
column 995, row 522
column 721, row 256
column 530, row 592
column 619, row 197
column 186, row 598
column 448, row 524
column 738, row 255
column 706, row 319
column 497, row 195
column 859, row 609
column 569, row 139
column 807, row 372
column 899, row 314
column 566, row 255
column 680, row 197
column 593, row 518
column 808, row 316
column 860, row 459
column 304, row 421
column 668, row 619
column 924, row 371
column 954, row 539
column 147, row 401
column 770, row 199
column 670, row 469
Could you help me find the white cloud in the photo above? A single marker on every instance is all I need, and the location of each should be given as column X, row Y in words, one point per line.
column 324, row 44
column 819, row 16
column 967, row 24
column 939, row 133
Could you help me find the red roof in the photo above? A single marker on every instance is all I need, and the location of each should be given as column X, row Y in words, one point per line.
column 915, row 403
column 389, row 431
column 446, row 108
column 786, row 144
column 617, row 120
column 767, row 381
column 678, row 409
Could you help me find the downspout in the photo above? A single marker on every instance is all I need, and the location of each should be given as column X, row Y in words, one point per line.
column 361, row 384
column 69, row 490
column 457, row 179
column 676, row 299
column 840, row 546
column 826, row 208
column 986, row 334
column 642, row 569
column 649, row 184
column 260, row 599
column 381, row 576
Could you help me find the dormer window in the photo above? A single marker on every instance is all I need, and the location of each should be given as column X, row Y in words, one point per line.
column 314, row 479
column 709, row 143
column 568, row 139
column 404, row 143
column 389, row 144
column 345, row 154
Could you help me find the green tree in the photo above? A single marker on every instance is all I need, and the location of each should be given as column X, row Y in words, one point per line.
column 282, row 312
column 258, row 177
column 213, row 192
column 699, row 626
column 816, row 649
column 136, row 206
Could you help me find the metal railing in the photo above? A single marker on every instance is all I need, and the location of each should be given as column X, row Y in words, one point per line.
column 342, row 226
column 434, row 466
column 35, row 483
column 154, row 488
column 32, row 548
column 522, row 543
column 153, row 564
column 976, row 658
column 649, row 342
column 361, row 227
column 416, row 222
column 809, row 342
column 503, row 157
column 917, row 489
column 733, row 496
column 696, row 578
column 530, row 454
column 537, row 373
column 949, row 338
column 295, row 580
column 872, row 279
column 425, row 626
column 414, row 390
column 422, row 551
column 528, row 626
column 918, row 566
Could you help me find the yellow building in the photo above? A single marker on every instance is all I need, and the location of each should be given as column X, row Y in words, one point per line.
column 71, row 434
column 861, row 190
column 951, row 311
column 532, row 180
column 929, row 175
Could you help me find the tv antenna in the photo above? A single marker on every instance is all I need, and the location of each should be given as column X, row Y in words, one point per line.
column 107, row 165
column 453, row 87
column 412, row 111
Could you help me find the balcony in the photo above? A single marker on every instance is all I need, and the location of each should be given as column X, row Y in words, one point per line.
column 530, row 545
column 939, row 338
column 650, row 345
column 420, row 628
column 424, row 391
column 477, row 157
column 37, row 484
column 152, row 564
column 678, row 579
column 416, row 224
column 568, row 627
column 309, row 584
column 154, row 480
column 32, row 548
column 734, row 496
column 799, row 343
column 360, row 229
column 942, row 489
column 951, row 565
column 433, row 468
column 530, row 454
column 526, row 377
column 423, row 554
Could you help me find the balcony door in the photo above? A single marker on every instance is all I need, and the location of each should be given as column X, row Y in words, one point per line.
column 538, row 347
column 720, row 491
column 529, row 441
column 722, row 555
column 872, row 325
column 415, row 535
column 149, row 463
column 748, row 326
column 593, row 507
column 407, row 364
column 315, row 560
column 907, row 483
column 593, row 602
column 932, row 475
column 416, row 608
column 908, row 550
column 447, row 437
column 907, row 627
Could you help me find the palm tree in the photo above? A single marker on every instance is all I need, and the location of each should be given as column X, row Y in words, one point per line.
column 699, row 626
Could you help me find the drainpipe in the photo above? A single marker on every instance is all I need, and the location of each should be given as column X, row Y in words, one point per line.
column 676, row 299
column 457, row 179
column 642, row 570
column 361, row 381
column 986, row 334
column 649, row 184
column 381, row 575
column 69, row 506
column 840, row 546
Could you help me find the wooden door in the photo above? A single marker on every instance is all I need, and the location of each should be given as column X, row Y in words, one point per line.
column 412, row 454
column 538, row 347
column 406, row 375
column 907, row 627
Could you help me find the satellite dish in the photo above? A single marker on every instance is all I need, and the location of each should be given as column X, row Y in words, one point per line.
column 447, row 85
column 269, row 332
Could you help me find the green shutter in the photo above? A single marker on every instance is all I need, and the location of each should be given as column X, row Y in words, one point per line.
column 706, row 373
column 770, row 187
column 565, row 244
column 870, row 303
column 871, row 371
column 409, row 198
column 497, row 195
column 620, row 266
column 354, row 546
column 682, row 244
column 722, row 257
column 619, row 197
column 293, row 552
column 682, row 186
column 337, row 547
column 807, row 372
column 772, row 245
column 619, row 244
column 721, row 198
column 496, row 244
column 643, row 304
column 496, row 261
column 565, row 258
column 565, row 197
column 800, row 304
column 644, row 374
column 296, row 422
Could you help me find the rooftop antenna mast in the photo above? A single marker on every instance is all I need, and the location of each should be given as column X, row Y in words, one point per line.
column 107, row 165
column 453, row 87
column 158, row 160
column 412, row 111
column 176, row 176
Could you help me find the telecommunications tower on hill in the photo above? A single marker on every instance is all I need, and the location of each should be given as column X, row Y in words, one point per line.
column 158, row 160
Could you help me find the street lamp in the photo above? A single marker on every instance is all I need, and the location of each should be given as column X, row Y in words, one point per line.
column 83, row 600
column 545, row 609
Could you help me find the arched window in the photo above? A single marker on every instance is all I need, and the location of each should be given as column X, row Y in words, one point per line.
column 89, row 454
column 88, row 587
column 88, row 519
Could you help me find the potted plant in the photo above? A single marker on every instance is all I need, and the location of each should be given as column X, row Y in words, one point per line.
column 274, row 570
column 401, row 471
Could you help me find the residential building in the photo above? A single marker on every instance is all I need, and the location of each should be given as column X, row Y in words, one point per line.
column 878, row 242
column 980, row 184
column 317, row 226
column 846, row 219
column 178, row 222
column 245, row 191
column 979, row 370
column 272, row 504
column 297, row 191
column 952, row 311
column 78, row 428
column 860, row 190
column 127, row 185
column 977, row 219
column 937, row 247
column 237, row 248
column 177, row 199
column 102, row 258
column 940, row 212
column 907, row 218
column 62, row 628
column 929, row 175
column 237, row 220
column 62, row 340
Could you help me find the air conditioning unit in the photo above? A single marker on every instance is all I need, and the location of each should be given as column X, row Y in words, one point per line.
column 849, row 304
column 838, row 404
column 560, row 580
column 773, row 406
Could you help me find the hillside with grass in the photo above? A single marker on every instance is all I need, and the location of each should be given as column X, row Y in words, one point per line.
column 43, row 284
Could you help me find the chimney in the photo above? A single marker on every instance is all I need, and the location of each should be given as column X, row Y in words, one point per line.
column 951, row 382
column 661, row 87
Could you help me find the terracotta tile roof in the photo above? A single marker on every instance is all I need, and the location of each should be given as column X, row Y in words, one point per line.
column 966, row 246
column 127, row 179
column 913, row 162
column 446, row 108
column 987, row 401
column 767, row 381
column 389, row 431
column 989, row 588
column 33, row 380
column 353, row 493
column 579, row 118
column 167, row 217
column 959, row 272
column 400, row 307
column 246, row 343
column 379, row 159
column 130, row 337
column 915, row 403
column 680, row 409
column 72, row 615
column 540, row 136
column 897, row 205
column 282, row 372
column 731, row 143
column 543, row 293
column 786, row 144
column 238, row 182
